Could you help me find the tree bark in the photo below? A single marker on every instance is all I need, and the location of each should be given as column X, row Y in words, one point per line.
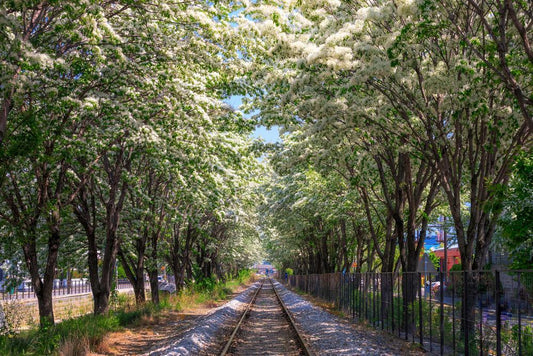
column 135, row 269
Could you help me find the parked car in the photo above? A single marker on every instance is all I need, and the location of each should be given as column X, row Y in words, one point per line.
column 25, row 286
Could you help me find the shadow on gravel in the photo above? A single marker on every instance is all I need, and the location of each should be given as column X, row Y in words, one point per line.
column 207, row 328
column 329, row 335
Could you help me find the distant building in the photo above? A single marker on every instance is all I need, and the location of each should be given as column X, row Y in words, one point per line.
column 454, row 257
column 264, row 268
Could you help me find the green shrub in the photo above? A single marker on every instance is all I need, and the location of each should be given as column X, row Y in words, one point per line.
column 244, row 275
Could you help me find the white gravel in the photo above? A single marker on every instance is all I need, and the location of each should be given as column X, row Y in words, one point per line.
column 324, row 333
column 329, row 335
column 205, row 332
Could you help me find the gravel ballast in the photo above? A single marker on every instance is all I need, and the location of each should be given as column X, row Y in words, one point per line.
column 195, row 340
column 325, row 333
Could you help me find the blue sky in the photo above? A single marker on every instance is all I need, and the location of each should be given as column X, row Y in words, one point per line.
column 269, row 135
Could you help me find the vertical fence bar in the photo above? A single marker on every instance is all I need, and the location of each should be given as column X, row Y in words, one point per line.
column 346, row 295
column 352, row 293
column 420, row 317
column 367, row 302
column 339, row 292
column 343, row 281
column 480, row 325
column 519, row 316
column 399, row 307
column 441, row 291
column 407, row 281
column 391, row 308
column 374, row 287
column 413, row 301
column 480, row 306
column 430, row 319
column 453, row 311
column 356, row 295
column 363, row 295
column 359, row 296
column 381, row 302
column 498, row 315
column 346, row 280
column 464, row 320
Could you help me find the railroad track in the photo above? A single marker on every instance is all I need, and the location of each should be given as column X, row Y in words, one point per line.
column 266, row 327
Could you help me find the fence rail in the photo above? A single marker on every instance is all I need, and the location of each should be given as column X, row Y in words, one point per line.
column 482, row 313
column 61, row 288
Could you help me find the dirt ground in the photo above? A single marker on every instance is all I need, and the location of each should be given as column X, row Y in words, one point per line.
column 140, row 339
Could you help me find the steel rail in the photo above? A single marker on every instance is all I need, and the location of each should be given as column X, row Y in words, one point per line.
column 243, row 316
column 305, row 347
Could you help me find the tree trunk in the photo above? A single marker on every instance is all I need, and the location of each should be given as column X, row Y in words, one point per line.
column 468, row 320
column 154, row 285
column 43, row 290
column 101, row 302
column 135, row 271
column 153, row 269
column 138, row 290
column 43, row 287
column 344, row 247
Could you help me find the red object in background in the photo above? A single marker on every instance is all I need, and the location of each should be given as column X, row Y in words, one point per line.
column 454, row 257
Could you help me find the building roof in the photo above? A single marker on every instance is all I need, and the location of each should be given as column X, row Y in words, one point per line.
column 452, row 247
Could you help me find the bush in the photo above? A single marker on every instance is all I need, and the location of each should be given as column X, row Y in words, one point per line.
column 244, row 275
column 206, row 284
column 11, row 317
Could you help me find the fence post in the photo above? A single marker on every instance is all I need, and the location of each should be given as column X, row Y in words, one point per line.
column 365, row 291
column 340, row 291
column 441, row 313
column 464, row 316
column 406, row 281
column 498, row 315
column 519, row 316
column 374, row 287
column 352, row 294
column 399, row 305
column 420, row 317
column 453, row 310
column 480, row 304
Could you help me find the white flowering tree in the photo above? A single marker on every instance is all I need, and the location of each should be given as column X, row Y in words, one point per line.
column 88, row 89
column 50, row 62
column 438, row 91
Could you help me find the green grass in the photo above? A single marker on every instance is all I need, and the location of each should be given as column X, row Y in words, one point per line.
column 89, row 330
column 78, row 335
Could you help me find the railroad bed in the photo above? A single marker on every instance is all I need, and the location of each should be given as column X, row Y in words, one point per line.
column 265, row 328
column 264, row 332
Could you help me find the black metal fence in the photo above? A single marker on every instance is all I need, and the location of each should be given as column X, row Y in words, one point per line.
column 482, row 313
column 24, row 290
